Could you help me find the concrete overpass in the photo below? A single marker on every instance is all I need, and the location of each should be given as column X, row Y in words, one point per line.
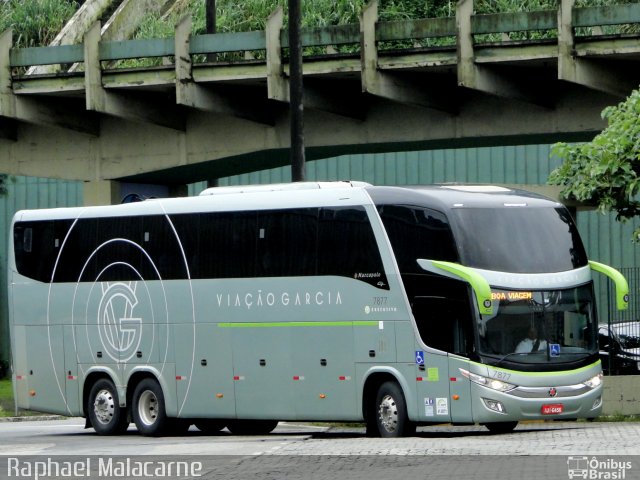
column 216, row 105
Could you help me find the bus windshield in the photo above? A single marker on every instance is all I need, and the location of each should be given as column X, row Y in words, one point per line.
column 538, row 327
column 518, row 239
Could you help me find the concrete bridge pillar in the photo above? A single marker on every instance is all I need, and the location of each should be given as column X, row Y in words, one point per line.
column 111, row 192
column 101, row 192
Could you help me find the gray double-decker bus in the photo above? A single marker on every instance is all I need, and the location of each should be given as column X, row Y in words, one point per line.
column 341, row 301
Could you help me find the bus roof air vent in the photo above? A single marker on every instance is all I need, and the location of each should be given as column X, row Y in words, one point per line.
column 478, row 188
column 281, row 187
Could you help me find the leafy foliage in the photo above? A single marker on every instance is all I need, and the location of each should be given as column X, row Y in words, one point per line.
column 35, row 22
column 3, row 191
column 606, row 171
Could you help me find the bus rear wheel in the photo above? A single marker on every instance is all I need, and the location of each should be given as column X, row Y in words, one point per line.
column 501, row 427
column 103, row 409
column 391, row 418
column 251, row 427
column 148, row 409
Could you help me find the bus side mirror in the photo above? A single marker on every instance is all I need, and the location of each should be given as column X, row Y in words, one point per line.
column 478, row 283
column 622, row 287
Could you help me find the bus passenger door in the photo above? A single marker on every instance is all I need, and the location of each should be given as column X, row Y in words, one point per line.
column 443, row 325
column 459, row 391
column 432, row 387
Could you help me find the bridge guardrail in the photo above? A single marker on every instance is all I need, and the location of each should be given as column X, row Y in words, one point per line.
column 496, row 26
column 486, row 53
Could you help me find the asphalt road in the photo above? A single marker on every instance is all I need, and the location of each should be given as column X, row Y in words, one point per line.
column 534, row 450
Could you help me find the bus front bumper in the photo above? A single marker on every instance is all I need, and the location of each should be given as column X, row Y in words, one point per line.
column 539, row 403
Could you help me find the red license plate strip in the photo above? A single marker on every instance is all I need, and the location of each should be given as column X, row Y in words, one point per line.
column 552, row 409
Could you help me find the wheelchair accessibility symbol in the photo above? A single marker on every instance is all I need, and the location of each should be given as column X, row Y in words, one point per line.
column 419, row 357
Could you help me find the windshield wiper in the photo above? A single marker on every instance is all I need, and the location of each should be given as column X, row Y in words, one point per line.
column 539, row 352
column 503, row 358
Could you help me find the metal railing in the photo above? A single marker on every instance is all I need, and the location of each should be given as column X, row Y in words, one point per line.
column 619, row 341
column 587, row 24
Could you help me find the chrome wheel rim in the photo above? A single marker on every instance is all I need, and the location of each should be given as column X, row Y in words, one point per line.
column 104, row 406
column 388, row 413
column 148, row 407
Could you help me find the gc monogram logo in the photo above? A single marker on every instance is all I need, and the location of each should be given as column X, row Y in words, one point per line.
column 120, row 332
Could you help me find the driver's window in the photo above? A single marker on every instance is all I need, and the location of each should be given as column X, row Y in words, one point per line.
column 443, row 323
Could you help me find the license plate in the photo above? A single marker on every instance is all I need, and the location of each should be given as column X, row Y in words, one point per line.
column 552, row 409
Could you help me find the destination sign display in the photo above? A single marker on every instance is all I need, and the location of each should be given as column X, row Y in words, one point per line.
column 512, row 296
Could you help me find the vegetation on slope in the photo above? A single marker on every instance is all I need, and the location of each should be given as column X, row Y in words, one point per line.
column 35, row 22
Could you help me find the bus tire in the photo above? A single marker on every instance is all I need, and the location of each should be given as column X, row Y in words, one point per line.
column 391, row 415
column 105, row 414
column 210, row 426
column 501, row 427
column 251, row 427
column 148, row 408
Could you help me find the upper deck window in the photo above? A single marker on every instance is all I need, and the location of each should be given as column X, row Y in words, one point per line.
column 317, row 241
column 518, row 239
column 417, row 232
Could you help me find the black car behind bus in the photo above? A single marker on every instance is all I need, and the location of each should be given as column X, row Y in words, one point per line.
column 619, row 345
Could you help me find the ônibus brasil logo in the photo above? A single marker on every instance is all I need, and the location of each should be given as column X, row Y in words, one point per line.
column 595, row 468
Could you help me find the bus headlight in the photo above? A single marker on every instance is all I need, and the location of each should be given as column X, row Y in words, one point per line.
column 594, row 381
column 492, row 383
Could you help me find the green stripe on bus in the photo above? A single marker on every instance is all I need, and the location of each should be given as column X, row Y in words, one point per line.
column 540, row 374
column 297, row 324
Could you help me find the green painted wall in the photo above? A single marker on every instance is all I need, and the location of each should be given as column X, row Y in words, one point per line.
column 513, row 164
column 23, row 193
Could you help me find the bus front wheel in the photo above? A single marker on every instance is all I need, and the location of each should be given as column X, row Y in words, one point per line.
column 391, row 417
column 148, row 409
column 103, row 409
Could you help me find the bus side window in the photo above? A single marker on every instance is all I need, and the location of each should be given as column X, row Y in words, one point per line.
column 417, row 232
column 347, row 246
column 114, row 258
column 160, row 243
column 27, row 239
column 443, row 323
column 37, row 245
column 287, row 242
column 218, row 244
